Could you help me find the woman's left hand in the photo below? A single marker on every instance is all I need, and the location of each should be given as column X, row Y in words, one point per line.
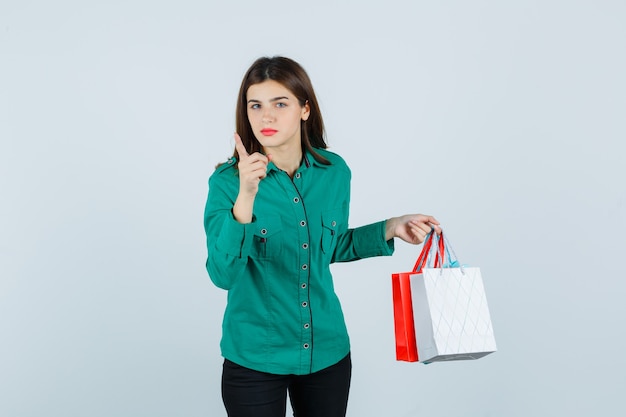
column 411, row 228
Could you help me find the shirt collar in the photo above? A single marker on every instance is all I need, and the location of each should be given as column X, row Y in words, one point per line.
column 307, row 162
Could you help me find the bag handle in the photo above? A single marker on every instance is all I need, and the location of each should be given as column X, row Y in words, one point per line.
column 421, row 260
column 423, row 256
column 440, row 257
column 444, row 249
column 441, row 250
column 452, row 256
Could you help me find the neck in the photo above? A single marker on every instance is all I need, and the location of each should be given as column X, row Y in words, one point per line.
column 286, row 160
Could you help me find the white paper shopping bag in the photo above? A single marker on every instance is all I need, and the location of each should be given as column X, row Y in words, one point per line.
column 451, row 316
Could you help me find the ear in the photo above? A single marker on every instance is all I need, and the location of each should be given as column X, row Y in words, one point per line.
column 306, row 111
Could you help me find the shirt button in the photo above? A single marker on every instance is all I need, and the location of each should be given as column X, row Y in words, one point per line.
column 305, row 246
column 304, row 304
column 263, row 231
column 306, row 345
column 303, row 285
column 307, row 325
column 296, row 200
column 304, row 267
column 302, row 223
column 297, row 175
column 334, row 223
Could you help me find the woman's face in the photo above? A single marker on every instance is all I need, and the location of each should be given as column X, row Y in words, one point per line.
column 275, row 114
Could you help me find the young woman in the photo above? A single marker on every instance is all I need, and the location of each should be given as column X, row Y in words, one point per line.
column 276, row 217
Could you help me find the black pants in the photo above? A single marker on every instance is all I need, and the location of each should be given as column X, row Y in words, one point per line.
column 248, row 393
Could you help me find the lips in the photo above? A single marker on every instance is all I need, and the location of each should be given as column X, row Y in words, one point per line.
column 268, row 132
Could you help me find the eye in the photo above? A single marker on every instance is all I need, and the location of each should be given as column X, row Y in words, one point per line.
column 255, row 106
column 280, row 105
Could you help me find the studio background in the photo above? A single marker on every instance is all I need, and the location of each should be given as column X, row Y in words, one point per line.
column 505, row 120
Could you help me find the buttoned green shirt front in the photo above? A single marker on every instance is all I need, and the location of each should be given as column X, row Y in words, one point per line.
column 282, row 314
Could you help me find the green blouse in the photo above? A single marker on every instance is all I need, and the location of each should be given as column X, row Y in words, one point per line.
column 282, row 315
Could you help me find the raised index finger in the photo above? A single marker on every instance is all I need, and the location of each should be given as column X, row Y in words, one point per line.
column 241, row 150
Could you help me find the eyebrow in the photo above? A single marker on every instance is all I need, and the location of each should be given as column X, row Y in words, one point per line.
column 271, row 100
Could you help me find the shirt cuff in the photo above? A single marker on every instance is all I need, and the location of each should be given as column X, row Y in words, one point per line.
column 370, row 240
column 235, row 238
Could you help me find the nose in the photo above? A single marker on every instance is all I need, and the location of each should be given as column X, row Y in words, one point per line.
column 268, row 115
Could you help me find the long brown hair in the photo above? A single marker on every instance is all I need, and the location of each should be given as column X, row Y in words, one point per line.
column 293, row 77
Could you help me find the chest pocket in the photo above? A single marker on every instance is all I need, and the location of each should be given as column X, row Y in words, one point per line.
column 331, row 221
column 267, row 240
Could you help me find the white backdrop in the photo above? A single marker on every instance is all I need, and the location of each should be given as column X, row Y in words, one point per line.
column 505, row 120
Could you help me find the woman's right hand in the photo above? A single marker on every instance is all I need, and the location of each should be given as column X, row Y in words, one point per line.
column 252, row 169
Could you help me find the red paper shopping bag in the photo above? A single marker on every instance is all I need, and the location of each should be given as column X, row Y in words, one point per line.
column 406, row 345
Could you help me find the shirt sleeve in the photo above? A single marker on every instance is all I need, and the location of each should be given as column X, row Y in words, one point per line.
column 228, row 241
column 363, row 242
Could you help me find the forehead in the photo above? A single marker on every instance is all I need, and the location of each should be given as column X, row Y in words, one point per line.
column 268, row 90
